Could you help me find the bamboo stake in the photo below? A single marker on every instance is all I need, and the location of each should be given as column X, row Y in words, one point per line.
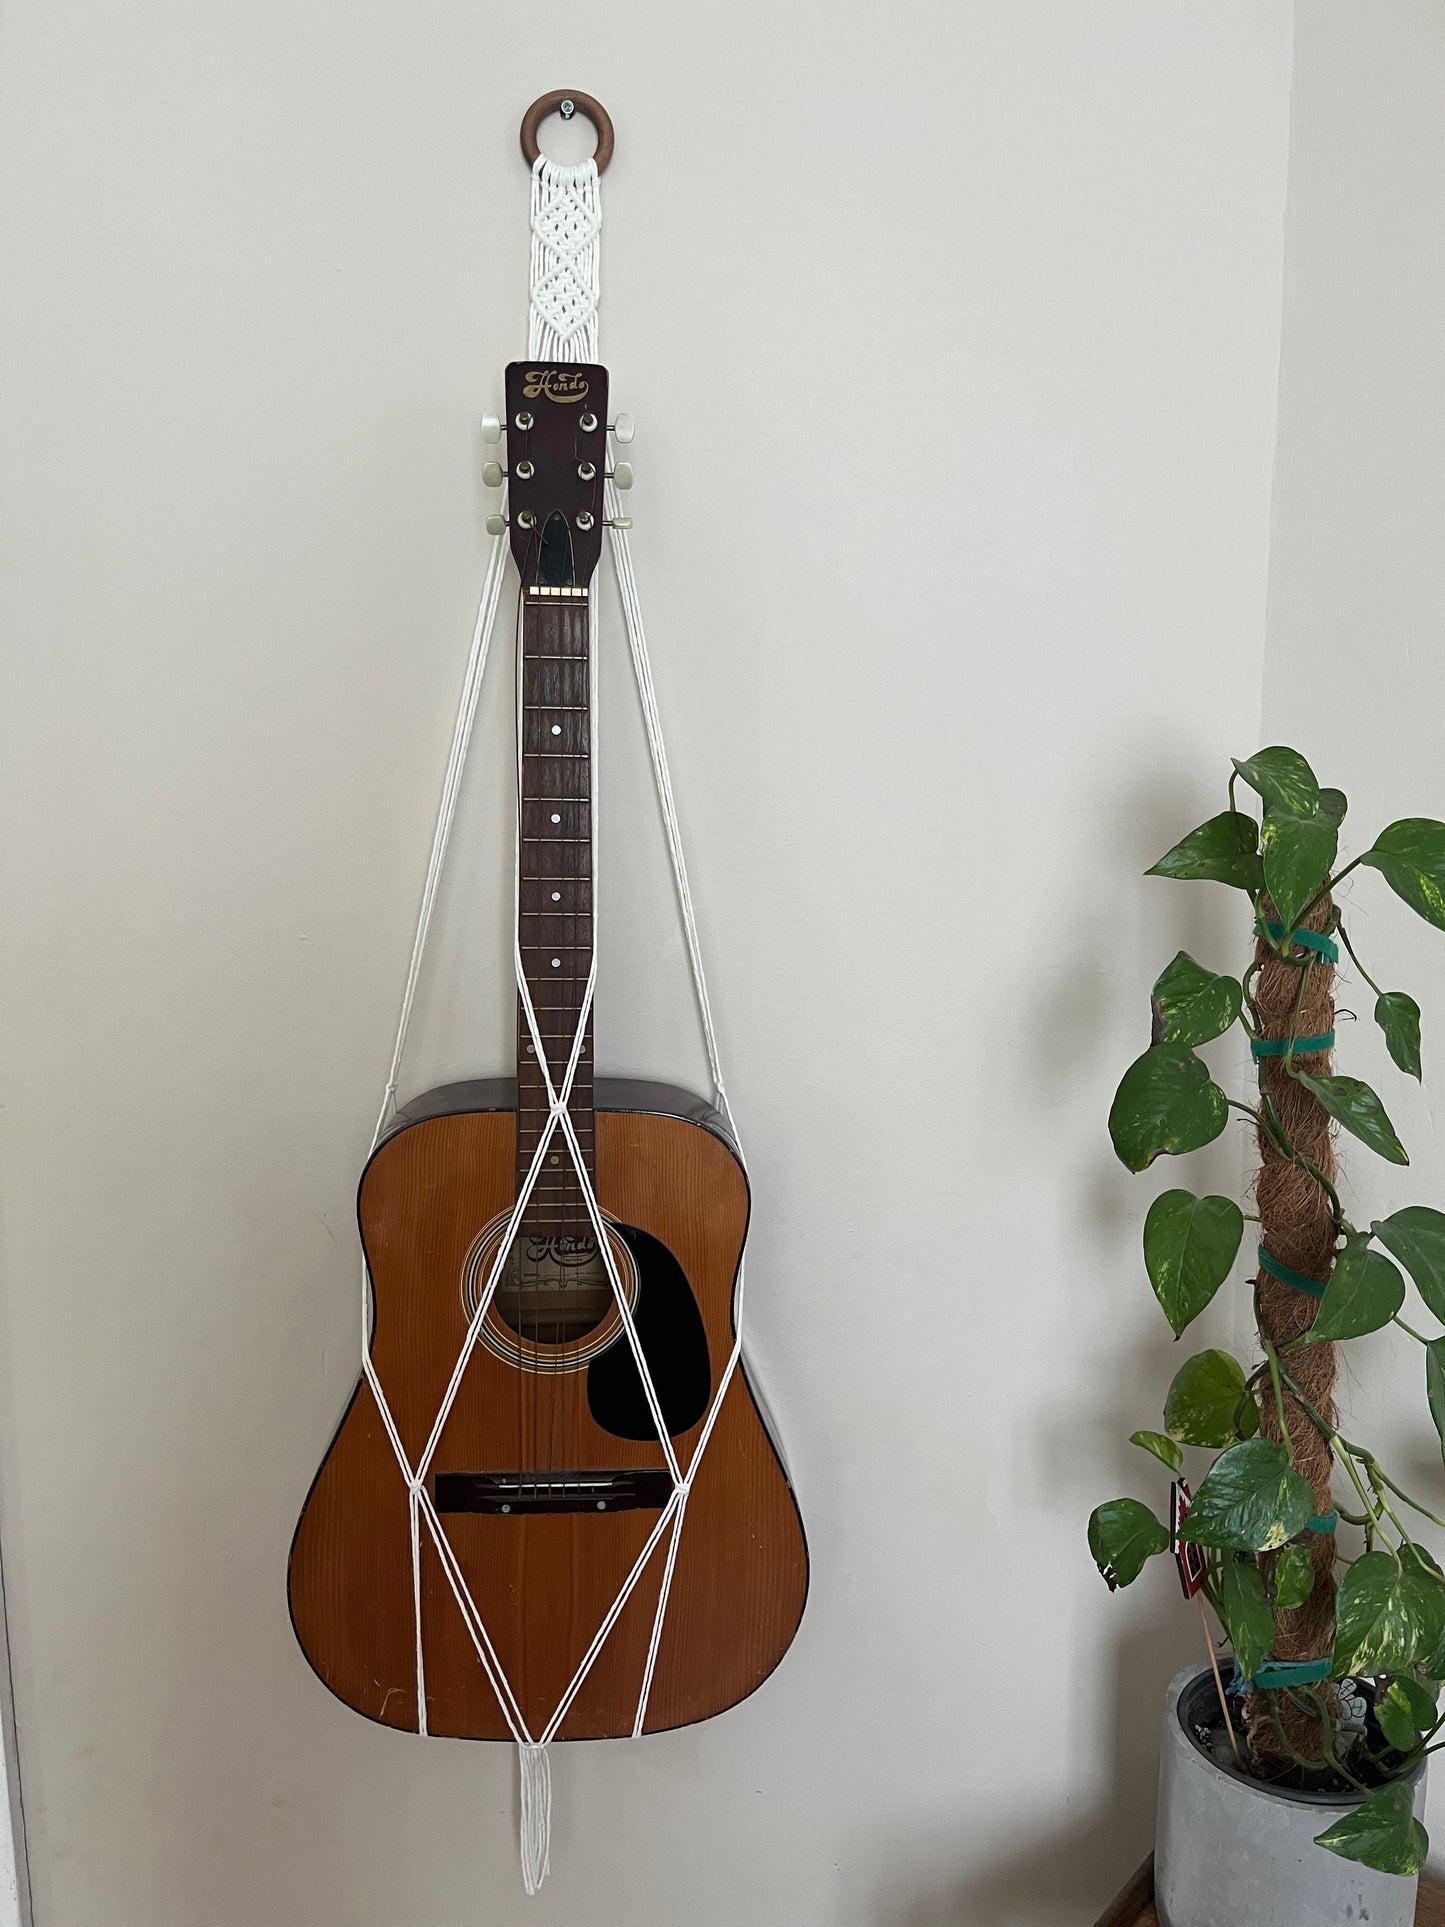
column 1218, row 1682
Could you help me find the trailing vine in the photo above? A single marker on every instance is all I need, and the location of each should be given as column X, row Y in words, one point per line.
column 1300, row 1615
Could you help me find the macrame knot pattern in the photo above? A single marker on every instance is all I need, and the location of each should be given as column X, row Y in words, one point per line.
column 566, row 226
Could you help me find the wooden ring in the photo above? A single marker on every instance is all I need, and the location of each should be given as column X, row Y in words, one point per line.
column 585, row 104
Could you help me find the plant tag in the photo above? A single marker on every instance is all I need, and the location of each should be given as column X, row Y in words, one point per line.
column 1189, row 1559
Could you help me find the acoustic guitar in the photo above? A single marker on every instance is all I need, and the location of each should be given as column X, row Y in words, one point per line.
column 550, row 1473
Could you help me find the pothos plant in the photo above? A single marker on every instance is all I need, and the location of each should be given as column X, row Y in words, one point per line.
column 1302, row 1614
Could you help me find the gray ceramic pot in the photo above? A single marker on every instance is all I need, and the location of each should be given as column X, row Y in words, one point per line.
column 1232, row 1853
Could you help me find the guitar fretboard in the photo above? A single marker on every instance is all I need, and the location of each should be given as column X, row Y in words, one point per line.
column 555, row 901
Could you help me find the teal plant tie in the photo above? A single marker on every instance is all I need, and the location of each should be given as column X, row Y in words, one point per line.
column 1276, row 1674
column 1306, row 939
column 1281, row 1046
column 1324, row 1523
column 1310, row 1286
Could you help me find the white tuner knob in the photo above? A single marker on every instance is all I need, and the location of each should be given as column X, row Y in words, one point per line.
column 624, row 428
column 622, row 475
column 491, row 429
column 496, row 525
column 619, row 522
column 491, row 475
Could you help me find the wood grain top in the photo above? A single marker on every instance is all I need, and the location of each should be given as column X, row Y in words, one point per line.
column 1133, row 1905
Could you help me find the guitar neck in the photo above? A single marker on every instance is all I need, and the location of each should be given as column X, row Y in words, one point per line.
column 555, row 932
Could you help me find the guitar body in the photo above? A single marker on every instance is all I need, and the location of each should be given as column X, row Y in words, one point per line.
column 545, row 1568
column 527, row 1242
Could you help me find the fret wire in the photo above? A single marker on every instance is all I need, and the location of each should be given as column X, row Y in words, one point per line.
column 556, row 995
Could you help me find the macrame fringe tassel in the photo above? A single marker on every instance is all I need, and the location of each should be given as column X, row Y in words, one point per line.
column 534, row 1768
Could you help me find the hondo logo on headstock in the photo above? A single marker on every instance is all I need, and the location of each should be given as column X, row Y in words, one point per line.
column 556, row 384
column 557, row 460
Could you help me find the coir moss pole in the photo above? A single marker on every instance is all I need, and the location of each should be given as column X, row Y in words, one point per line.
column 1295, row 997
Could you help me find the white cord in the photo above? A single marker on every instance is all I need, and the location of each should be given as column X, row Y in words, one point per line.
column 566, row 228
column 566, row 225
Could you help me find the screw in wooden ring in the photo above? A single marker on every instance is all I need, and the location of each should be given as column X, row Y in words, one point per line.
column 583, row 104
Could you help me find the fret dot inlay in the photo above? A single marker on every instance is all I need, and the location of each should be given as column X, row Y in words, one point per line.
column 555, row 876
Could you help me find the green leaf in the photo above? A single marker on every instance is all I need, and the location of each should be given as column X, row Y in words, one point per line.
column 1122, row 1535
column 1189, row 1246
column 1166, row 1102
column 1192, row 1005
column 1297, row 852
column 1203, row 1399
column 1419, row 1702
column 1284, row 779
column 1435, row 1387
column 1392, row 1713
column 1377, row 1625
column 1294, row 1577
column 1165, row 1450
column 1398, row 1015
column 1252, row 1499
column 1352, row 1103
column 1416, row 1236
column 1364, row 1292
column 1246, row 1614
column 1333, row 804
column 1424, row 1591
column 1410, row 856
column 1383, row 1833
column 1223, row 850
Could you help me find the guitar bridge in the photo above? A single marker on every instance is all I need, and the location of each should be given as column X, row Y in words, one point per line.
column 513, row 1492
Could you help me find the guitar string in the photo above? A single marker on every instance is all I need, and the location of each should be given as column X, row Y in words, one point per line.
column 524, row 1390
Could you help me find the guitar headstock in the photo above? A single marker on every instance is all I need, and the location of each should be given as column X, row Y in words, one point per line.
column 556, row 462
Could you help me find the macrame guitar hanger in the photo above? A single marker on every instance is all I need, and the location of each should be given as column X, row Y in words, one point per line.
column 566, row 224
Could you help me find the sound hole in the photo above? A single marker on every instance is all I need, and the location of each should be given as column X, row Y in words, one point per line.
column 553, row 1291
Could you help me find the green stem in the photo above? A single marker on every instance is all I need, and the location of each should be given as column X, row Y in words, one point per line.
column 1419, row 1337
column 1246, row 1397
column 1373, row 1474
column 1369, row 1459
column 1329, row 884
column 1346, row 1451
column 1268, row 1119
column 1304, row 978
column 1342, row 1223
column 1272, row 1357
column 1326, row 1719
column 1345, row 1455
column 1345, row 940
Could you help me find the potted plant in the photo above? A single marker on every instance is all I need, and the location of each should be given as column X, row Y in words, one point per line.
column 1291, row 1779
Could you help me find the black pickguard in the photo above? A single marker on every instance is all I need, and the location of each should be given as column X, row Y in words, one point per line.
column 674, row 1343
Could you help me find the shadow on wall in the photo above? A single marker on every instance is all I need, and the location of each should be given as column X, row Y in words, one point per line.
column 1065, row 1875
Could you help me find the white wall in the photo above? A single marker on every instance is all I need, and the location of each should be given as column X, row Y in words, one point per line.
column 952, row 330
column 1354, row 673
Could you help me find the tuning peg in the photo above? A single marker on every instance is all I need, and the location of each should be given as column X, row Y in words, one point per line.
column 493, row 474
column 624, row 428
column 618, row 522
column 622, row 474
column 491, row 429
column 496, row 525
